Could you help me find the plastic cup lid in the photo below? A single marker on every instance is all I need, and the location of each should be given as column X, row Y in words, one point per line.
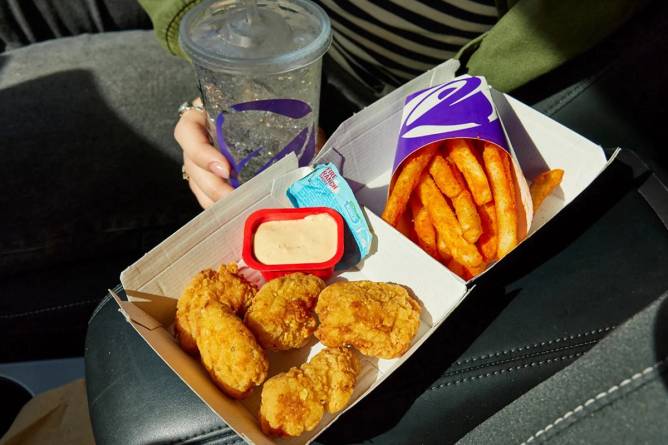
column 277, row 36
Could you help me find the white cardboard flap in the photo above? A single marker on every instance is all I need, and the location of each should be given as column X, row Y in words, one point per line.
column 230, row 212
column 374, row 130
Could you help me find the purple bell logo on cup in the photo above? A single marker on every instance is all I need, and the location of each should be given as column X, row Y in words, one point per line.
column 258, row 66
column 452, row 148
column 303, row 144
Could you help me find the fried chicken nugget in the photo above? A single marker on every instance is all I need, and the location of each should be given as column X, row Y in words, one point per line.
column 207, row 323
column 293, row 402
column 282, row 313
column 378, row 319
column 225, row 286
column 228, row 350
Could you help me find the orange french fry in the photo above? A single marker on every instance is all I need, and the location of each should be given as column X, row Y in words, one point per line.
column 405, row 226
column 457, row 268
column 487, row 243
column 444, row 176
column 515, row 190
column 468, row 216
column 451, row 183
column 424, row 229
column 442, row 248
column 504, row 198
column 405, row 183
column 446, row 223
column 472, row 272
column 460, row 151
column 543, row 185
column 509, row 174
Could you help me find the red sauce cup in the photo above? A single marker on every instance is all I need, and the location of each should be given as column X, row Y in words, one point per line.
column 323, row 270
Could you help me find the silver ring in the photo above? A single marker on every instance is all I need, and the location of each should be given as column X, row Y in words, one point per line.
column 187, row 106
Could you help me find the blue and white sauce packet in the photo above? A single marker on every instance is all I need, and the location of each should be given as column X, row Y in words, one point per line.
column 325, row 187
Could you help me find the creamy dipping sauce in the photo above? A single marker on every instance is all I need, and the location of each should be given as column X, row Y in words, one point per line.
column 312, row 239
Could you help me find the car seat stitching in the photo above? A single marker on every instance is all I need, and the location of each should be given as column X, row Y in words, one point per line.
column 48, row 309
column 642, row 374
column 535, row 345
column 525, row 356
column 505, row 370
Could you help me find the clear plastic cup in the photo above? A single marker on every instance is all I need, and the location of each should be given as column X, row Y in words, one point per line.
column 258, row 68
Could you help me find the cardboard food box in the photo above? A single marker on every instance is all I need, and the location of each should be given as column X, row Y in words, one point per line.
column 363, row 150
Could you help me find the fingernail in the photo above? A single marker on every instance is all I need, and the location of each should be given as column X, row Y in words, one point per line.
column 219, row 169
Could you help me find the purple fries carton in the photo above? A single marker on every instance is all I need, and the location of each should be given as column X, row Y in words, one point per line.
column 460, row 108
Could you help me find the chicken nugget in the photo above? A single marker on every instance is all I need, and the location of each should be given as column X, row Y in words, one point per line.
column 228, row 350
column 282, row 313
column 225, row 286
column 295, row 401
column 378, row 319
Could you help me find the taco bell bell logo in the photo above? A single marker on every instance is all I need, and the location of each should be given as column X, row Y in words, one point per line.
column 461, row 108
column 457, row 105
column 303, row 144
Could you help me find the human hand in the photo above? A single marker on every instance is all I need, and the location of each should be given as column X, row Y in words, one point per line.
column 205, row 167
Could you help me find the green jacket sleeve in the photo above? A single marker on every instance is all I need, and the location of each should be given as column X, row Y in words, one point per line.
column 166, row 16
column 536, row 36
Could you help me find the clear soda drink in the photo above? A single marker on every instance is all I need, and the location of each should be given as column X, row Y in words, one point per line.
column 258, row 66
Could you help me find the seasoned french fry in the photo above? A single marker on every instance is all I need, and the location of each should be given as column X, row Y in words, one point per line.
column 442, row 248
column 457, row 268
column 543, row 185
column 487, row 243
column 405, row 183
column 405, row 226
column 472, row 272
column 504, row 199
column 451, row 183
column 509, row 174
column 468, row 217
column 446, row 223
column 460, row 151
column 444, row 176
column 424, row 229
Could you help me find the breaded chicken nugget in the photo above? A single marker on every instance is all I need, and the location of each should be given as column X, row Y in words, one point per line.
column 229, row 350
column 295, row 401
column 378, row 319
column 225, row 286
column 282, row 313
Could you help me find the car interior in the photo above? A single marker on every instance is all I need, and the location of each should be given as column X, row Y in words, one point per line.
column 593, row 268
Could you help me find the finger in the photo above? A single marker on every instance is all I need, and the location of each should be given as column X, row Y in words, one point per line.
column 213, row 186
column 190, row 132
column 201, row 197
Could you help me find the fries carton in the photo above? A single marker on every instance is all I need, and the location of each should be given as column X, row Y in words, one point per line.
column 363, row 150
column 459, row 114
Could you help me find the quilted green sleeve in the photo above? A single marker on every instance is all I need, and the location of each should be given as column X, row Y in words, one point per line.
column 536, row 36
column 166, row 16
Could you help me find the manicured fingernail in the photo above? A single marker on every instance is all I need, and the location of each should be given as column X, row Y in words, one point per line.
column 219, row 169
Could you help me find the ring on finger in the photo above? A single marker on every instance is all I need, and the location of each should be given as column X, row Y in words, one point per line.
column 187, row 106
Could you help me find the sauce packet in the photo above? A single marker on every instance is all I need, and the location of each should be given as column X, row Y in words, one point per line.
column 325, row 187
